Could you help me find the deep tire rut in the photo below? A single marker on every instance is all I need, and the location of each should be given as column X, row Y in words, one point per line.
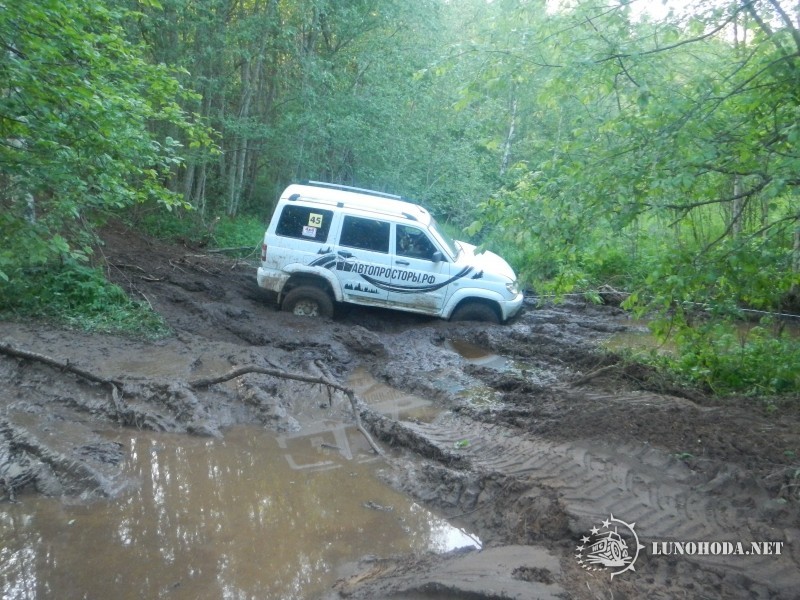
column 640, row 484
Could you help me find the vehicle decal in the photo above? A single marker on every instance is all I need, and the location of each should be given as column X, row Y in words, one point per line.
column 376, row 275
column 359, row 288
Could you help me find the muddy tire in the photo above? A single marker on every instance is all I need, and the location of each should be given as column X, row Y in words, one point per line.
column 475, row 311
column 308, row 301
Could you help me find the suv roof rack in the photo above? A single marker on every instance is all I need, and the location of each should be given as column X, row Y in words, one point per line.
column 348, row 188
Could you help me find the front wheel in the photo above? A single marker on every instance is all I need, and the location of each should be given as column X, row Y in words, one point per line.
column 475, row 311
column 308, row 301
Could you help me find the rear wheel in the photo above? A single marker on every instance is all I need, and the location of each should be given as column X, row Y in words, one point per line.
column 308, row 301
column 475, row 311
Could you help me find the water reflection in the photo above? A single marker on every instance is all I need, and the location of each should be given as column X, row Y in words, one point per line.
column 211, row 518
column 390, row 401
column 476, row 355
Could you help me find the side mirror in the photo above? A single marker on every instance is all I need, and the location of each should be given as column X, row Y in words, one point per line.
column 438, row 257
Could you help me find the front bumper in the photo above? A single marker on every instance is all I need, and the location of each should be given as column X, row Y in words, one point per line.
column 512, row 307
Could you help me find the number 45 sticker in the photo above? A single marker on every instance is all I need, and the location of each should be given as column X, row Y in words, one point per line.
column 314, row 220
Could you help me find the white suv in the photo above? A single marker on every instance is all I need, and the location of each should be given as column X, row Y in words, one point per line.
column 330, row 243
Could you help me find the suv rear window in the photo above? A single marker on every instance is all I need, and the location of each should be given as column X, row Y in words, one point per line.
column 367, row 234
column 304, row 223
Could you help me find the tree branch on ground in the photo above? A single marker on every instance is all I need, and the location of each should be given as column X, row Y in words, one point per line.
column 10, row 350
column 593, row 374
column 196, row 384
column 318, row 380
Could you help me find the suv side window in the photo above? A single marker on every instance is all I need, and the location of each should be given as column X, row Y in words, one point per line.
column 304, row 223
column 367, row 234
column 413, row 243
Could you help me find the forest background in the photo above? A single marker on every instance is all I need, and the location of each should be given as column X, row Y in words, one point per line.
column 588, row 141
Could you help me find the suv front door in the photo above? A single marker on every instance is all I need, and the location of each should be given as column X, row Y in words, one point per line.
column 420, row 273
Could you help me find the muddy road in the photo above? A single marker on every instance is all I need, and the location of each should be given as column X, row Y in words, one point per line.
column 529, row 435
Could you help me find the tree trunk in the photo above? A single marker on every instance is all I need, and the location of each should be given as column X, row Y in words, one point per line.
column 236, row 165
column 737, row 207
column 509, row 138
column 188, row 183
column 200, row 190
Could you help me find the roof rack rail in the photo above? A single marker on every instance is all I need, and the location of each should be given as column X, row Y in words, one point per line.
column 347, row 188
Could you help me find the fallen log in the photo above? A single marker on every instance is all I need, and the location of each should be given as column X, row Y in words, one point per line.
column 239, row 371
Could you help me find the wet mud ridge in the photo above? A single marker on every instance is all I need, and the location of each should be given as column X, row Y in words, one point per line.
column 530, row 435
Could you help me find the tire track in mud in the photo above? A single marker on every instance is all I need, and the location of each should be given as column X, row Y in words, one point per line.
column 637, row 483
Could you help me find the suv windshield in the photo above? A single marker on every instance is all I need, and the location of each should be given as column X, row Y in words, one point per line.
column 444, row 238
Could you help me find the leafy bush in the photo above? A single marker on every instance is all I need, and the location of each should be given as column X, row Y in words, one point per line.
column 217, row 232
column 175, row 225
column 241, row 231
column 698, row 297
column 730, row 357
column 83, row 121
column 79, row 296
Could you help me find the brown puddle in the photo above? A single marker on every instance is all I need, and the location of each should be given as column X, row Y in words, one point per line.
column 391, row 401
column 476, row 355
column 170, row 360
column 638, row 339
column 248, row 516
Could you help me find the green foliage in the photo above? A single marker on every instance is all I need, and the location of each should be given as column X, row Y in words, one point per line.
column 177, row 225
column 652, row 157
column 242, row 231
column 732, row 357
column 733, row 274
column 78, row 296
column 318, row 89
column 189, row 227
column 77, row 103
column 559, row 249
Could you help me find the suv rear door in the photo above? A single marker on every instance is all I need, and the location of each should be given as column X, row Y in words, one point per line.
column 300, row 237
column 363, row 261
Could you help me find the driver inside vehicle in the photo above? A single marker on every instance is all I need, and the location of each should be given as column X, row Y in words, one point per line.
column 413, row 243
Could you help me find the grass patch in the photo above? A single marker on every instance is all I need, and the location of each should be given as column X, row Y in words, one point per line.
column 730, row 358
column 188, row 227
column 720, row 357
column 79, row 297
column 242, row 232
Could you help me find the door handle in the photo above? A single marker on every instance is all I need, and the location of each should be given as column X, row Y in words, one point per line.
column 402, row 262
column 345, row 254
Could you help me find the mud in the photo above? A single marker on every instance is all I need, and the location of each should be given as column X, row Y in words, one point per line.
column 528, row 434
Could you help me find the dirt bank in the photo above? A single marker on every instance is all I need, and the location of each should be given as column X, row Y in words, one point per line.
column 530, row 435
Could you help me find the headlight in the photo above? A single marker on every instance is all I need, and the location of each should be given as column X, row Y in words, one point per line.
column 513, row 287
